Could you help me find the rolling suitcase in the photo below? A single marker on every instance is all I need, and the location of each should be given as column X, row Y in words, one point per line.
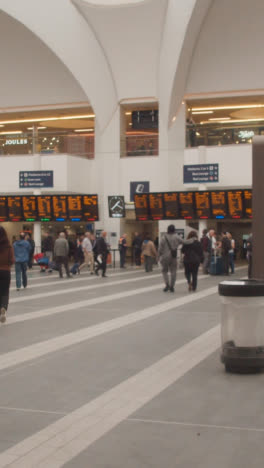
column 216, row 266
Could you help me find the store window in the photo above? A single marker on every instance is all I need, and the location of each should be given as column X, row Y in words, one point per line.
column 139, row 130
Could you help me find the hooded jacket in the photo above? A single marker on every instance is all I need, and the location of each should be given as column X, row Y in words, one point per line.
column 22, row 250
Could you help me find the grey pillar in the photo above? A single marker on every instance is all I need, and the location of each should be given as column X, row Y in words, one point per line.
column 258, row 208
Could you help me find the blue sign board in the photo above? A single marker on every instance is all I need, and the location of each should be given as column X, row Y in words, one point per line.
column 35, row 179
column 138, row 187
column 200, row 173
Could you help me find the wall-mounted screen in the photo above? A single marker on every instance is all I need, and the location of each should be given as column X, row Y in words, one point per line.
column 141, row 206
column 59, row 205
column 3, row 209
column 90, row 207
column 15, row 209
column 44, row 203
column 156, row 206
column 248, row 203
column 29, row 204
column 202, row 204
column 75, row 207
column 218, row 204
column 171, row 205
column 186, row 205
column 235, row 203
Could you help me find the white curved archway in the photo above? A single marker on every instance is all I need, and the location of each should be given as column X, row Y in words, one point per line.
column 60, row 26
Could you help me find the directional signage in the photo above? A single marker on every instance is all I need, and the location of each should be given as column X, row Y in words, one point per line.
column 200, row 173
column 35, row 179
column 116, row 205
column 138, row 187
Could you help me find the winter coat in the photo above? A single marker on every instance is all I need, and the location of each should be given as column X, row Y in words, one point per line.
column 193, row 253
column 149, row 249
column 22, row 250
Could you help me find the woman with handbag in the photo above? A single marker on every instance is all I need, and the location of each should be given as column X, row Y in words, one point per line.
column 6, row 260
column 193, row 256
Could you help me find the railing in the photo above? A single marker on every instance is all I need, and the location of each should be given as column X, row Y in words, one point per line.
column 48, row 143
column 221, row 134
column 140, row 145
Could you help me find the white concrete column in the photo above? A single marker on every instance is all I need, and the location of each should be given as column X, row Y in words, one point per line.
column 202, row 159
column 37, row 230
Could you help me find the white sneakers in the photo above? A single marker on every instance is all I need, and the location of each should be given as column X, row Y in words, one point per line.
column 3, row 315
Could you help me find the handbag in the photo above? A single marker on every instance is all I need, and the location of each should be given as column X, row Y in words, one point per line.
column 172, row 251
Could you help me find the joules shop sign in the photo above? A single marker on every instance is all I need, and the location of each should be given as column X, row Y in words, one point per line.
column 16, row 141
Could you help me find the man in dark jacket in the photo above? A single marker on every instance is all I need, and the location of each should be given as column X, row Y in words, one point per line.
column 61, row 252
column 137, row 244
column 47, row 247
column 226, row 246
column 102, row 252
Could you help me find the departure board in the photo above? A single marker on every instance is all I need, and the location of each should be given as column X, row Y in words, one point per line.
column 75, row 207
column 3, row 209
column 29, row 205
column 15, row 209
column 186, row 200
column 171, row 205
column 202, row 204
column 90, row 207
column 44, row 203
column 59, row 205
column 248, row 203
column 141, row 206
column 156, row 206
column 218, row 204
column 235, row 203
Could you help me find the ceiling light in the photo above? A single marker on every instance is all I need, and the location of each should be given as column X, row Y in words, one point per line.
column 17, row 132
column 130, row 123
column 39, row 128
column 1, row 125
column 45, row 119
column 79, row 130
column 174, row 118
column 243, row 106
column 243, row 120
column 128, row 113
column 203, row 112
column 220, row 118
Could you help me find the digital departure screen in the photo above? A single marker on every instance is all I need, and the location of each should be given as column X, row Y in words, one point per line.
column 59, row 203
column 186, row 205
column 15, row 209
column 235, row 203
column 171, row 205
column 156, row 206
column 3, row 209
column 248, row 203
column 141, row 206
column 202, row 204
column 90, row 207
column 29, row 205
column 75, row 207
column 218, row 204
column 44, row 203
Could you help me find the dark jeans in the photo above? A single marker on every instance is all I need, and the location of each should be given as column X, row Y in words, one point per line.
column 5, row 278
column 148, row 263
column 122, row 258
column 231, row 262
column 21, row 270
column 191, row 273
column 225, row 258
column 138, row 257
column 30, row 261
column 102, row 266
column 249, row 266
column 63, row 261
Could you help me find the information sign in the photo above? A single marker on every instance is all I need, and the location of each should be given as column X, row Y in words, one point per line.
column 200, row 173
column 248, row 203
column 171, row 205
column 202, row 204
column 218, row 204
column 141, row 206
column 35, row 179
column 59, row 203
column 44, row 207
column 186, row 205
column 156, row 206
column 29, row 205
column 116, row 206
column 90, row 207
column 3, row 209
column 75, row 207
column 15, row 209
column 235, row 204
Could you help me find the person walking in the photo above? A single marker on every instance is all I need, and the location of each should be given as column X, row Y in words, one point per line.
column 61, row 252
column 22, row 252
column 102, row 252
column 6, row 260
column 206, row 254
column 78, row 256
column 122, row 250
column 226, row 247
column 136, row 244
column 87, row 247
column 150, row 253
column 32, row 250
column 47, row 249
column 193, row 256
column 231, row 253
column 168, row 257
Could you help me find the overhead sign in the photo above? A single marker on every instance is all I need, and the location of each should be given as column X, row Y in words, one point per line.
column 137, row 188
column 35, row 179
column 116, row 205
column 200, row 173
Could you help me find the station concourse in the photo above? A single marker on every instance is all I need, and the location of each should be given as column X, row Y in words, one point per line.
column 119, row 118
